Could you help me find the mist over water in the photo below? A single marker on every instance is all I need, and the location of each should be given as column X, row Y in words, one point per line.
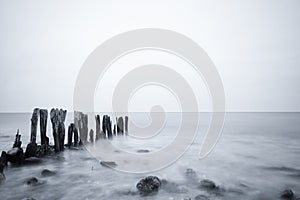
column 256, row 157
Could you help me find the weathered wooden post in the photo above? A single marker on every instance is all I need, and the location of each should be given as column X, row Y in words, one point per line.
column 70, row 134
column 32, row 146
column 43, row 126
column 106, row 126
column 126, row 124
column 120, row 125
column 18, row 141
column 75, row 136
column 58, row 118
column 81, row 123
column 34, row 121
column 92, row 136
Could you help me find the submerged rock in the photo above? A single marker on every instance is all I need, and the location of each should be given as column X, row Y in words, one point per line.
column 201, row 197
column 108, row 163
column 148, row 185
column 32, row 181
column 172, row 187
column 287, row 194
column 208, row 184
column 15, row 155
column 47, row 173
column 143, row 151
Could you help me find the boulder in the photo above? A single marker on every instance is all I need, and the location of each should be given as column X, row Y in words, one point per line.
column 208, row 184
column 287, row 194
column 149, row 185
column 201, row 197
column 15, row 155
column 47, row 173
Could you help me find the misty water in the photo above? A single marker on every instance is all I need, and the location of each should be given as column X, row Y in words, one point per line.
column 256, row 157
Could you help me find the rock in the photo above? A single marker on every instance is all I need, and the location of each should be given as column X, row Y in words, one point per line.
column 3, row 161
column 28, row 198
column 208, row 184
column 108, row 163
column 191, row 175
column 47, row 173
column 148, row 185
column 15, row 155
column 287, row 194
column 31, row 150
column 32, row 181
column 143, row 151
column 201, row 197
column 2, row 177
column 172, row 187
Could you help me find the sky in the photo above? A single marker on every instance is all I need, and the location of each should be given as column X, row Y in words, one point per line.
column 254, row 44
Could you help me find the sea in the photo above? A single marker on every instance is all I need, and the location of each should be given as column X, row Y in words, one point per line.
column 256, row 157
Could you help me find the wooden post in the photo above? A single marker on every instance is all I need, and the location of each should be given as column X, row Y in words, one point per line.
column 120, row 125
column 43, row 126
column 58, row 118
column 126, row 124
column 34, row 121
column 92, row 136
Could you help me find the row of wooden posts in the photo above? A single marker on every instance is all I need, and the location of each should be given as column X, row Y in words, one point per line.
column 77, row 131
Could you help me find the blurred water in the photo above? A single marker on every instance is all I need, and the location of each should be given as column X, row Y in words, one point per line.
column 256, row 157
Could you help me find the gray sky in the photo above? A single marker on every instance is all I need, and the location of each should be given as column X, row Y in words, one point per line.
column 255, row 45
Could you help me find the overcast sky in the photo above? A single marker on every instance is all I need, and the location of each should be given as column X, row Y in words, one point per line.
column 255, row 46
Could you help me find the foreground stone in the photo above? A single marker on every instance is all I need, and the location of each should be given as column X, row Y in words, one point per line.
column 208, row 184
column 149, row 185
column 287, row 194
column 201, row 197
column 47, row 173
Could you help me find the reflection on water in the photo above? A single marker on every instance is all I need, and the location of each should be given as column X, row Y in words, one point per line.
column 256, row 158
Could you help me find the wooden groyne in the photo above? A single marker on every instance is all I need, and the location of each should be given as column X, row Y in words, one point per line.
column 78, row 133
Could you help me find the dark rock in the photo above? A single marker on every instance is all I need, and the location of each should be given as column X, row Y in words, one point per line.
column 201, row 197
column 191, row 175
column 208, row 184
column 108, row 163
column 287, row 194
column 47, row 173
column 3, row 161
column 15, row 155
column 143, row 151
column 172, row 187
column 2, row 177
column 31, row 150
column 32, row 181
column 149, row 185
column 28, row 198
